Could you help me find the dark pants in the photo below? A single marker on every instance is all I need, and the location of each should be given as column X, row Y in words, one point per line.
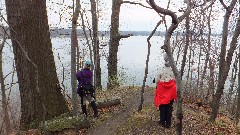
column 91, row 100
column 166, row 114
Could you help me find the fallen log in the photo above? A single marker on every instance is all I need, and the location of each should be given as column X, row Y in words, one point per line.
column 82, row 124
column 108, row 103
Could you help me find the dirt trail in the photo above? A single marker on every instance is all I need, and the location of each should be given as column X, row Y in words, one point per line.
column 110, row 125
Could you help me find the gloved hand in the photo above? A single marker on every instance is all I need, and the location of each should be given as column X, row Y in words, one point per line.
column 154, row 80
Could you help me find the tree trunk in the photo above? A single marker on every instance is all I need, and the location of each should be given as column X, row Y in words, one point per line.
column 211, row 82
column 186, row 46
column 74, row 45
column 97, row 68
column 6, row 119
column 113, row 45
column 86, row 36
column 208, row 52
column 39, row 87
column 189, row 66
column 167, row 48
column 179, row 51
column 238, row 91
column 199, row 63
column 108, row 103
column 146, row 68
column 232, row 81
column 224, row 63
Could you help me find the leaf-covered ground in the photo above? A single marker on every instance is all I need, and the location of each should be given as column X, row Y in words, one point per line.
column 124, row 119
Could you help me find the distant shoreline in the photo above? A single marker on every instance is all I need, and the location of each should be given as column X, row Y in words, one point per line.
column 56, row 32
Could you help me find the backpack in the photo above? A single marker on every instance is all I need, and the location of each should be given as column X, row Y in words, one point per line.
column 86, row 88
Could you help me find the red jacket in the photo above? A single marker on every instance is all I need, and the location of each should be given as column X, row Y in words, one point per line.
column 165, row 92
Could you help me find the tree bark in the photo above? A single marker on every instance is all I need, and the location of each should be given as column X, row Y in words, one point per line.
column 238, row 91
column 224, row 63
column 113, row 46
column 97, row 68
column 186, row 46
column 167, row 48
column 86, row 36
column 208, row 51
column 146, row 68
column 108, row 103
column 189, row 65
column 211, row 84
column 199, row 63
column 39, row 87
column 74, row 45
column 232, row 81
column 6, row 118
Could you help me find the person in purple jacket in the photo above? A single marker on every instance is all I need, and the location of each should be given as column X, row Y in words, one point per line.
column 86, row 89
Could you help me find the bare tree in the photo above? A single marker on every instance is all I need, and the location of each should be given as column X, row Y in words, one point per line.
column 207, row 50
column 40, row 92
column 232, row 83
column 97, row 68
column 225, row 62
column 115, row 37
column 86, row 36
column 238, row 91
column 211, row 83
column 167, row 48
column 189, row 64
column 74, row 45
column 146, row 68
column 187, row 25
column 113, row 45
column 6, row 119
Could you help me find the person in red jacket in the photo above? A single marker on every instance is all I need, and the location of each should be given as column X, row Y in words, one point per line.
column 165, row 94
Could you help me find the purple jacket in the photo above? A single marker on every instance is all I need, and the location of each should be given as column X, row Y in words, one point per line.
column 84, row 76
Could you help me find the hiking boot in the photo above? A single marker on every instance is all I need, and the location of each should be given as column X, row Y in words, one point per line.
column 162, row 123
column 84, row 110
column 94, row 106
column 95, row 115
column 168, row 124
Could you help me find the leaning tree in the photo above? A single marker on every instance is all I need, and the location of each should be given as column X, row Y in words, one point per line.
column 175, row 21
column 40, row 93
column 225, row 58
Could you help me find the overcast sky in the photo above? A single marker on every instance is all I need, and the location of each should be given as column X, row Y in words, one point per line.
column 132, row 17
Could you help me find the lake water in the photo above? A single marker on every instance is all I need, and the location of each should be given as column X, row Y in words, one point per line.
column 131, row 59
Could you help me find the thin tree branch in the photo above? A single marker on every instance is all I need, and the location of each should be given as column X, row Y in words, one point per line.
column 224, row 5
column 146, row 68
column 135, row 3
column 187, row 12
column 63, row 74
column 4, row 39
column 125, row 36
column 8, row 75
column 204, row 3
column 85, row 34
column 164, row 11
column 210, row 5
